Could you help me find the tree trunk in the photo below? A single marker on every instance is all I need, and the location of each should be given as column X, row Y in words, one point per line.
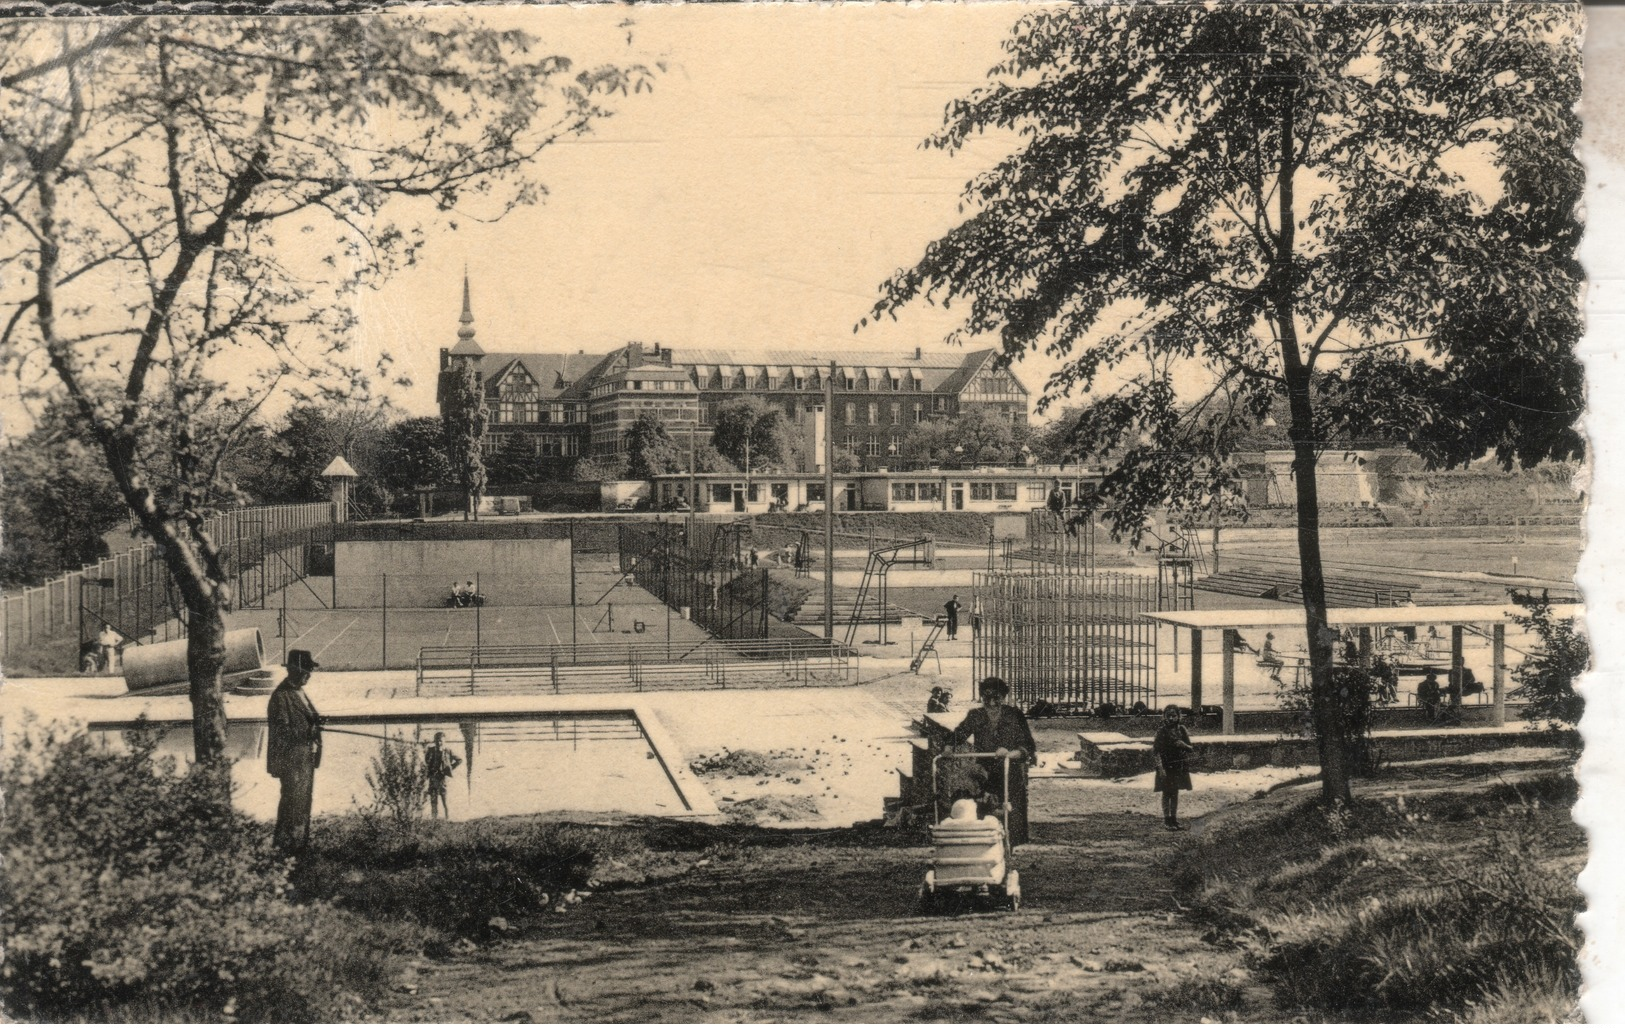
column 205, row 658
column 1331, row 729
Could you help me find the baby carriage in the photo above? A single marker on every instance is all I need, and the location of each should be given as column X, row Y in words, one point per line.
column 970, row 863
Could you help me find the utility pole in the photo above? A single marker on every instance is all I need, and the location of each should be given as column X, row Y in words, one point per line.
column 829, row 503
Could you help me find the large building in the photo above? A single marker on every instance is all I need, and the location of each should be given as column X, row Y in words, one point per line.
column 581, row 404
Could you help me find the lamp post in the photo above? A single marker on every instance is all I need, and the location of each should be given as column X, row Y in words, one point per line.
column 959, row 457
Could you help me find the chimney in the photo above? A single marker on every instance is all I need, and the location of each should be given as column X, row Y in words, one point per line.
column 918, row 353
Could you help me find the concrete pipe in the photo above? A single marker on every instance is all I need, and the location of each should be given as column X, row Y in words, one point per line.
column 146, row 667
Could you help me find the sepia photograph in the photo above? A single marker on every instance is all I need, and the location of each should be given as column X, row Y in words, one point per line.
column 805, row 512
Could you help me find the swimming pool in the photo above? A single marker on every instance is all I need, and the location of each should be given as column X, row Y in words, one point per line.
column 586, row 761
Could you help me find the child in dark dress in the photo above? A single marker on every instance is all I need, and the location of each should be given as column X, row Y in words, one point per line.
column 1172, row 749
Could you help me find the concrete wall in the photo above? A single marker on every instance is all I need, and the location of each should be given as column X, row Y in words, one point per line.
column 421, row 571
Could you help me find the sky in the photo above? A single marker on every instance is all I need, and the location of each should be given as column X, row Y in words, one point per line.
column 756, row 198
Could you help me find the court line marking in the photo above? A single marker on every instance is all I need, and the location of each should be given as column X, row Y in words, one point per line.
column 336, row 638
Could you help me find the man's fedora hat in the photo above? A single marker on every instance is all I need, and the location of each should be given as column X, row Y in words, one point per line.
column 300, row 660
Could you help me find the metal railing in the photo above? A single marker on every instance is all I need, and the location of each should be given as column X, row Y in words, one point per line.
column 633, row 667
column 132, row 590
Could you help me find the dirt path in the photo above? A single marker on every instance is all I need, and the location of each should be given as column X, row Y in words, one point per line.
column 822, row 927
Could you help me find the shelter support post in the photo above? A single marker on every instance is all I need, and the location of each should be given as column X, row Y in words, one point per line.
column 1365, row 649
column 1196, row 670
column 1498, row 671
column 1456, row 660
column 1228, row 725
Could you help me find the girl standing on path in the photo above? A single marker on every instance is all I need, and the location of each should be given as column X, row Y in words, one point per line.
column 1171, row 750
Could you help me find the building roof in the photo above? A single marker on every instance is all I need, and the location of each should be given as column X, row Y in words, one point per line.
column 973, row 363
column 557, row 375
column 340, row 468
column 1288, row 617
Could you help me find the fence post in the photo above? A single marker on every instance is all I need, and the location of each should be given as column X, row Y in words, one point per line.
column 383, row 633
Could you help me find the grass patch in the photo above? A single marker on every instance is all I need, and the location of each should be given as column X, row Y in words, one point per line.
column 1452, row 906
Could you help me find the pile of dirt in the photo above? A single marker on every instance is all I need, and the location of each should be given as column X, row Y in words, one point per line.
column 759, row 810
column 750, row 764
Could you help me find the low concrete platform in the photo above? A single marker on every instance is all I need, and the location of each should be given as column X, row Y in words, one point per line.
column 1113, row 755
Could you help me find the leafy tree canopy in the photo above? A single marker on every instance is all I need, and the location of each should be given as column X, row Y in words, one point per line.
column 650, row 449
column 1365, row 210
column 1376, row 203
column 768, row 432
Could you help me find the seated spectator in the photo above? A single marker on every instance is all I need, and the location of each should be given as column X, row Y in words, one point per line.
column 938, row 703
column 1469, row 684
column 1428, row 695
column 473, row 597
column 1384, row 683
column 458, row 597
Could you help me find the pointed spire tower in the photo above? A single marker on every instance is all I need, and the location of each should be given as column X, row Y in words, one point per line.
column 466, row 346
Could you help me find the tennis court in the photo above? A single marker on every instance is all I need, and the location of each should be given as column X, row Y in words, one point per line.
column 361, row 638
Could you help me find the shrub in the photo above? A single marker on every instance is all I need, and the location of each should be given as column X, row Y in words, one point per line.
column 447, row 877
column 132, row 889
column 399, row 781
column 1546, row 679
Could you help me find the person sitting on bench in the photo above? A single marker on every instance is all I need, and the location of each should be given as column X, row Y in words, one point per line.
column 458, row 597
column 473, row 597
column 1428, row 695
column 1269, row 659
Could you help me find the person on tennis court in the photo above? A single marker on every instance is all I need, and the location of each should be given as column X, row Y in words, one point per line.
column 439, row 764
column 293, row 751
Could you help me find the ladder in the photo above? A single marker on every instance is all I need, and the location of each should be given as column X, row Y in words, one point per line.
column 929, row 647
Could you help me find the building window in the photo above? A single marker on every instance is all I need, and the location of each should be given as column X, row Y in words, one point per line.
column 897, row 414
column 874, row 414
column 1036, row 492
column 721, row 492
column 800, row 383
column 896, row 384
column 981, row 490
column 1004, row 491
column 931, row 491
column 939, row 404
column 902, row 492
column 919, row 413
column 815, row 492
column 851, row 414
column 851, row 383
column 872, row 448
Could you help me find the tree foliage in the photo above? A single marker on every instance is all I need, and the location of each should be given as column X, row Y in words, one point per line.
column 763, row 426
column 975, row 436
column 154, row 172
column 1365, row 212
column 465, row 415
column 57, row 502
column 650, row 449
column 1546, row 677
column 411, row 454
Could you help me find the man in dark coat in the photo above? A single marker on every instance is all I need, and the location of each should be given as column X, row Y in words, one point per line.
column 293, row 751
column 999, row 729
column 952, row 610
